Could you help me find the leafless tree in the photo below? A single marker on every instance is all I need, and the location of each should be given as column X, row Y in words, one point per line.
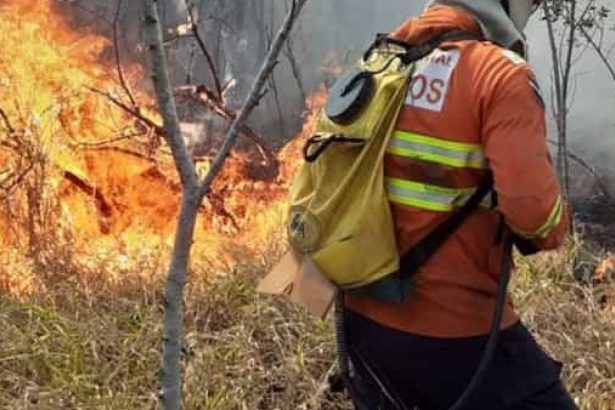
column 193, row 189
column 572, row 27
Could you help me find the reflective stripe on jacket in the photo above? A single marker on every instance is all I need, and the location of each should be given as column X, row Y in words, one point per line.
column 471, row 107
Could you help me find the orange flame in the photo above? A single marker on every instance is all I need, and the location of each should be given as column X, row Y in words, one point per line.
column 111, row 201
column 605, row 269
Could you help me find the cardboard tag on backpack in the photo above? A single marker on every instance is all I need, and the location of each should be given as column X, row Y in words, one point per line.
column 299, row 280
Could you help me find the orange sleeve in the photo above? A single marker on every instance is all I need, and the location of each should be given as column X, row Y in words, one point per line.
column 514, row 139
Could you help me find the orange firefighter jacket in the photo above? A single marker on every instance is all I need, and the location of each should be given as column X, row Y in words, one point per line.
column 471, row 107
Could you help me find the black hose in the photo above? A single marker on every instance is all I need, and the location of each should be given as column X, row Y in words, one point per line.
column 340, row 338
column 494, row 334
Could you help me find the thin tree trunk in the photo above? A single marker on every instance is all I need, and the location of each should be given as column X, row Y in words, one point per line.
column 166, row 101
column 193, row 190
column 178, row 270
column 173, row 300
column 565, row 89
column 560, row 104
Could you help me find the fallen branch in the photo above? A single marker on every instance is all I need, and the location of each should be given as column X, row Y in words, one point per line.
column 103, row 206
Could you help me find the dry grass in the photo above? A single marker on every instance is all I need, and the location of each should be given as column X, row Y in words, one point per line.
column 69, row 349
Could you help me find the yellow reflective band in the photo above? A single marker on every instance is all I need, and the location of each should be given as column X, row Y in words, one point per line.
column 429, row 197
column 454, row 154
column 554, row 219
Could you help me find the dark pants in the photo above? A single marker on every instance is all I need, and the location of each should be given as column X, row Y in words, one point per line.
column 430, row 374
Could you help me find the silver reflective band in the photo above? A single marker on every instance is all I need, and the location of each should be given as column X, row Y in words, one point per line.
column 429, row 197
column 454, row 154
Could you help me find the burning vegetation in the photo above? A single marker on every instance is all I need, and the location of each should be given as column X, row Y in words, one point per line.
column 83, row 164
column 89, row 198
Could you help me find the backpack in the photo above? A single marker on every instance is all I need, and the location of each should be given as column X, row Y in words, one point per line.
column 339, row 215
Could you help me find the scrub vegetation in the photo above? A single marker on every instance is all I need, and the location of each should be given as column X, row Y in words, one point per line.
column 86, row 345
column 85, row 243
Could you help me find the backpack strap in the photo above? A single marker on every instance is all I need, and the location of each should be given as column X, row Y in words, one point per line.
column 415, row 52
column 415, row 258
column 398, row 286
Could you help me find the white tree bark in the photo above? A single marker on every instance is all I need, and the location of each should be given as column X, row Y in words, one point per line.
column 193, row 190
column 152, row 31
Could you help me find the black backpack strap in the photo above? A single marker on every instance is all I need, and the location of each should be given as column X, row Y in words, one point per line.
column 416, row 257
column 415, row 52
column 396, row 287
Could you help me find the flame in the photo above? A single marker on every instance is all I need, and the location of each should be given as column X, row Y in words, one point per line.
column 121, row 198
column 605, row 269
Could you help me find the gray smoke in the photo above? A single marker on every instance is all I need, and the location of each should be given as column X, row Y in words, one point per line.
column 334, row 33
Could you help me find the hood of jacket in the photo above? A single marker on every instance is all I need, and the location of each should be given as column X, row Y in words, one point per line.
column 494, row 22
column 433, row 22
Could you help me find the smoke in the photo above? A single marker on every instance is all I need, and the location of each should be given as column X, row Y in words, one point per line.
column 353, row 23
column 332, row 34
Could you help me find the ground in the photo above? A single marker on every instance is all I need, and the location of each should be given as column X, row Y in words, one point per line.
column 70, row 349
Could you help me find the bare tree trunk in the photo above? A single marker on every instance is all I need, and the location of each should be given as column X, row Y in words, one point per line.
column 193, row 190
column 566, row 88
column 562, row 69
column 178, row 270
column 557, row 84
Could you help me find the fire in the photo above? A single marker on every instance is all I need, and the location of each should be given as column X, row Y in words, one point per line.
column 117, row 198
column 605, row 269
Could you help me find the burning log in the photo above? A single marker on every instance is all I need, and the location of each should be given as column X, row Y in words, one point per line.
column 104, row 207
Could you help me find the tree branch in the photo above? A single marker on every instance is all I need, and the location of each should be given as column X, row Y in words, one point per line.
column 118, row 61
column 294, row 66
column 206, row 97
column 104, row 206
column 109, row 141
column 601, row 184
column 598, row 51
column 164, row 95
column 132, row 111
column 254, row 94
column 210, row 62
column 7, row 121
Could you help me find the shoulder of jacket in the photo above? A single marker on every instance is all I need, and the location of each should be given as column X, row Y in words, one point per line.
column 497, row 54
column 513, row 57
column 503, row 68
column 492, row 60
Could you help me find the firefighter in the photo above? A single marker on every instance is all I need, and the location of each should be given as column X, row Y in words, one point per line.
column 472, row 107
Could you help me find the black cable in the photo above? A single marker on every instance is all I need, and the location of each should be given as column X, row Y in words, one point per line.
column 494, row 334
